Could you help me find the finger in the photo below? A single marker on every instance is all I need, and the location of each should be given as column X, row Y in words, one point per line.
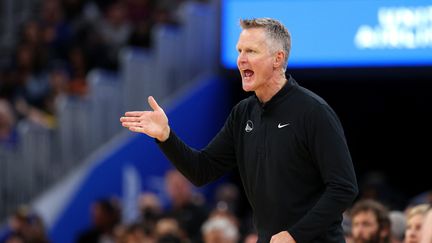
column 130, row 119
column 134, row 113
column 137, row 129
column 131, row 124
column 153, row 104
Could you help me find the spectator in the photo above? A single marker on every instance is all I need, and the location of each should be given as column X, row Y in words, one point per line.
column 8, row 135
column 189, row 212
column 168, row 230
column 15, row 238
column 251, row 238
column 17, row 224
column 370, row 222
column 151, row 210
column 134, row 234
column 56, row 31
column 105, row 215
column 78, row 72
column 150, row 206
column 24, row 226
column 398, row 226
column 32, row 36
column 114, row 30
column 426, row 234
column 415, row 217
column 221, row 227
column 227, row 196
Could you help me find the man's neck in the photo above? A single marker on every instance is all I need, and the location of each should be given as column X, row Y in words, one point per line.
column 271, row 89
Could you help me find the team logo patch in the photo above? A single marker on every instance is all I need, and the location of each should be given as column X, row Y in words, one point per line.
column 249, row 126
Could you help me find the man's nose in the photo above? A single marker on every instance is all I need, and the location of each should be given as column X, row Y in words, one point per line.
column 241, row 58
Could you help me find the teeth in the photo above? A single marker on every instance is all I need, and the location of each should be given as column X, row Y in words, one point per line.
column 248, row 73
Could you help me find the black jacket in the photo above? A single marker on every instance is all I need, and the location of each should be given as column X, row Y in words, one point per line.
column 293, row 160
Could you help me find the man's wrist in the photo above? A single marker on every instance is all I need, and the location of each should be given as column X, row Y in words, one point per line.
column 165, row 134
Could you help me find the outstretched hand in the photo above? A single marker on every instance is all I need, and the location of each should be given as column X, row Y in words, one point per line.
column 153, row 123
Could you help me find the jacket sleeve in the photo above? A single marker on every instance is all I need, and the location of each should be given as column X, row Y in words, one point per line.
column 327, row 145
column 202, row 167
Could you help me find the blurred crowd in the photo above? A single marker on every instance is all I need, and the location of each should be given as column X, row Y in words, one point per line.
column 190, row 218
column 187, row 217
column 60, row 43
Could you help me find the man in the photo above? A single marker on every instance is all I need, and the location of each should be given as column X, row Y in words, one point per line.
column 370, row 222
column 286, row 142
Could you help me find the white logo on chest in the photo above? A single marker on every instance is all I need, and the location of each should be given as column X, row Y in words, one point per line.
column 283, row 125
column 249, row 126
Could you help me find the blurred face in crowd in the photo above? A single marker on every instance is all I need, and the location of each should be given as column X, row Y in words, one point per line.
column 365, row 227
column 6, row 119
column 413, row 230
column 178, row 188
column 255, row 60
column 15, row 239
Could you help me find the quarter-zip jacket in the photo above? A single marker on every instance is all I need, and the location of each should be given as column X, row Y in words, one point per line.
column 293, row 161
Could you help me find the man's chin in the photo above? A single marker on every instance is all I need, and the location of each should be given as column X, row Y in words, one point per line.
column 247, row 88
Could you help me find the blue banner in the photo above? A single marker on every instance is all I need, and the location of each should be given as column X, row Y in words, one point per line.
column 339, row 33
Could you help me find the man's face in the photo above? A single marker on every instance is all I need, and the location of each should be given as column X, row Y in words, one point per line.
column 365, row 228
column 255, row 60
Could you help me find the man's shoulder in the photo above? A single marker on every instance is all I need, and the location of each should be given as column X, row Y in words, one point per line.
column 313, row 104
column 244, row 103
column 309, row 97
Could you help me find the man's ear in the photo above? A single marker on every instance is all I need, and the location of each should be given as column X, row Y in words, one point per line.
column 279, row 59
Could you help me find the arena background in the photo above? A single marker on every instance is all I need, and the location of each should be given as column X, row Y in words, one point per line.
column 66, row 148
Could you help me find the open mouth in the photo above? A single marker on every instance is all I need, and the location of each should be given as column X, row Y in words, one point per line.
column 248, row 73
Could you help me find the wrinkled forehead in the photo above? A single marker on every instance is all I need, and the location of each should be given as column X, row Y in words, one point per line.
column 253, row 37
column 255, row 32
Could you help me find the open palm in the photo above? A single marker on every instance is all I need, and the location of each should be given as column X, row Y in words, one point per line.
column 153, row 123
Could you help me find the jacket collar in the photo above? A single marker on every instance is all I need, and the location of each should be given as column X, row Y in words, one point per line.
column 281, row 94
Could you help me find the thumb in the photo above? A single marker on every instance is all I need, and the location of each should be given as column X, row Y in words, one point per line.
column 153, row 104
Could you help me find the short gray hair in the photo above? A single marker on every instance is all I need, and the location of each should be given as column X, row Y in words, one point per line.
column 274, row 29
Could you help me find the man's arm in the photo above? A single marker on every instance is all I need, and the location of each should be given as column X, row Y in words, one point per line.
column 327, row 145
column 200, row 167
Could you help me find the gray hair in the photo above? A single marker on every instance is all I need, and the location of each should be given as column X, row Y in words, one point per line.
column 274, row 29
